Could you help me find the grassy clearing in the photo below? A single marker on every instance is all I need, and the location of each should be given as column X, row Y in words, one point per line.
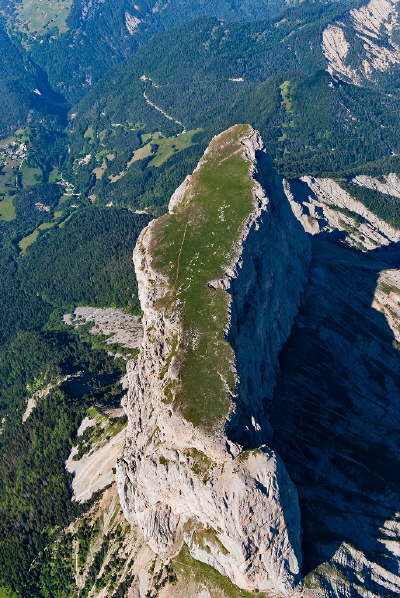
column 192, row 247
column 7, row 209
column 5, row 593
column 188, row 568
column 169, row 146
column 90, row 134
column 31, row 176
column 287, row 89
column 151, row 136
column 140, row 154
column 54, row 175
column 40, row 16
column 286, row 93
column 27, row 241
column 100, row 170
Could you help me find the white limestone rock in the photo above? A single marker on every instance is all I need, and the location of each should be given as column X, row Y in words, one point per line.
column 376, row 27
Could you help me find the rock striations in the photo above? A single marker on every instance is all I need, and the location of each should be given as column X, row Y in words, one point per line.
column 363, row 45
column 220, row 278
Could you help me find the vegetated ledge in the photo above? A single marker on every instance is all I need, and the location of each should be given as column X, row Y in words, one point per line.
column 195, row 248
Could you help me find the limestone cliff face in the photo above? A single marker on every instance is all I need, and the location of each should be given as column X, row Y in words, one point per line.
column 219, row 489
column 340, row 379
column 364, row 44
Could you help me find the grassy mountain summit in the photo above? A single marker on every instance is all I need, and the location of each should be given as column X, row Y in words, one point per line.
column 193, row 245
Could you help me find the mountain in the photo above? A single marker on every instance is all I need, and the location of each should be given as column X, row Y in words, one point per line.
column 75, row 41
column 220, row 418
column 364, row 47
column 25, row 92
column 196, row 469
column 210, row 75
column 249, row 469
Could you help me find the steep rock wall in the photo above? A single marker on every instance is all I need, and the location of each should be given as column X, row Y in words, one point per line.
column 219, row 490
column 340, row 379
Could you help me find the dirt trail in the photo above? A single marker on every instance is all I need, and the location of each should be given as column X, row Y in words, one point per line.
column 158, row 108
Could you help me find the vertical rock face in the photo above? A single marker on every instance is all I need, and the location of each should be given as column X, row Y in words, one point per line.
column 220, row 279
column 340, row 379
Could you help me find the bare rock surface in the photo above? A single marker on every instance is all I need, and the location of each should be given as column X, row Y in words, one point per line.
column 121, row 328
column 96, row 470
column 388, row 184
column 323, row 206
column 364, row 43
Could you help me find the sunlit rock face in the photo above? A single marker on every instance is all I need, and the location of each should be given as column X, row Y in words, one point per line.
column 363, row 46
column 220, row 489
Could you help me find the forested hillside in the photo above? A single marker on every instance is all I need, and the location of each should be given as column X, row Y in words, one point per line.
column 23, row 87
column 75, row 41
column 210, row 75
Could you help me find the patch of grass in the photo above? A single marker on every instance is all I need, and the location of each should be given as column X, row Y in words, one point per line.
column 140, row 154
column 187, row 567
column 41, row 16
column 151, row 136
column 314, row 580
column 54, row 175
column 246, row 454
column 5, row 593
column 286, row 93
column 200, row 464
column 192, row 247
column 205, row 537
column 90, row 134
column 169, row 146
column 30, row 239
column 388, row 288
column 100, row 170
column 31, row 176
column 7, row 209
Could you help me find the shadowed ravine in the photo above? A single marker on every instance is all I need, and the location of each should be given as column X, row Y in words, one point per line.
column 336, row 416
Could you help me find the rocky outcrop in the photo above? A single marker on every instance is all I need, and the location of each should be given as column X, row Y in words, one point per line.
column 324, row 207
column 118, row 327
column 364, row 44
column 220, row 489
column 388, row 184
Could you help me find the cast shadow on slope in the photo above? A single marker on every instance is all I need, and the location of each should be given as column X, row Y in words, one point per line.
column 266, row 296
column 336, row 416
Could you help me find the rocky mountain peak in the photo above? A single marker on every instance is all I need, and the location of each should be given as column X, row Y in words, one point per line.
column 220, row 278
